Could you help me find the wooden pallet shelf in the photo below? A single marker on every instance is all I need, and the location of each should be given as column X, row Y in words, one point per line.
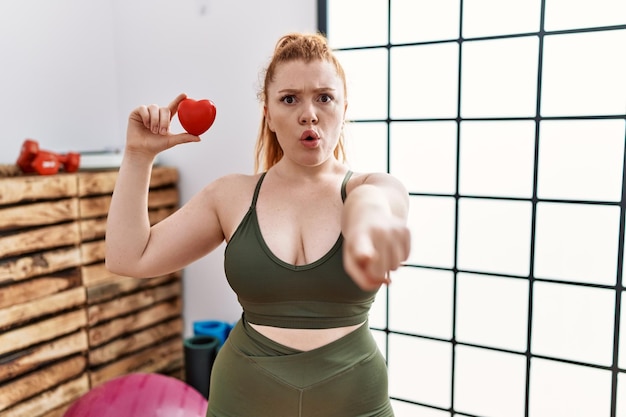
column 66, row 323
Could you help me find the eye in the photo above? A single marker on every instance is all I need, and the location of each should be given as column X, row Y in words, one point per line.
column 288, row 99
column 325, row 98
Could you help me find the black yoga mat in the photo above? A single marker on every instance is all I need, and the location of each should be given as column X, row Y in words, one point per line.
column 200, row 352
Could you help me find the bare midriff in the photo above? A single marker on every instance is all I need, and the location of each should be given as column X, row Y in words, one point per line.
column 304, row 339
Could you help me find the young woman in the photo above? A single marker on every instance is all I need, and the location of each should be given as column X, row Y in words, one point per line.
column 309, row 243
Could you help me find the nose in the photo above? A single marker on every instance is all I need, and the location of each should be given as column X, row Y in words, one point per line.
column 308, row 115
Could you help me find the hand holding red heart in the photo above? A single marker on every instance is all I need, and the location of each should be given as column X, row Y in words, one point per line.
column 149, row 126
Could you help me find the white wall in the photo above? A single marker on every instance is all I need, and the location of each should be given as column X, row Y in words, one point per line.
column 71, row 71
column 58, row 79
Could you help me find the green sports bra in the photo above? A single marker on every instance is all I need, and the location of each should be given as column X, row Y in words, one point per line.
column 275, row 293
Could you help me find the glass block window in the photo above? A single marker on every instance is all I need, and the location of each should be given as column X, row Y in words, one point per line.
column 506, row 121
column 565, row 389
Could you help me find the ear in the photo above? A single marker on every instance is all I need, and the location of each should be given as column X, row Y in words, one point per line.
column 268, row 119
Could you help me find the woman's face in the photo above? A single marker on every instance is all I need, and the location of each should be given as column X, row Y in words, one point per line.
column 305, row 107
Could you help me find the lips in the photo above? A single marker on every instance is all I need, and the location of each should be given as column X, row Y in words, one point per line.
column 310, row 139
column 309, row 135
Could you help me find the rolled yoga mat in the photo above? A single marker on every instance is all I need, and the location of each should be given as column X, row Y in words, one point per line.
column 215, row 328
column 200, row 352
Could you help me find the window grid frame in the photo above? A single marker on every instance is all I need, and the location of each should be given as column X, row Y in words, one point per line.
column 619, row 288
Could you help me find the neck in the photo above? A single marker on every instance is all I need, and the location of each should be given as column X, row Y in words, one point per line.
column 288, row 170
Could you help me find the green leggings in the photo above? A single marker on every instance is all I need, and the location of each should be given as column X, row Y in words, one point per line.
column 254, row 376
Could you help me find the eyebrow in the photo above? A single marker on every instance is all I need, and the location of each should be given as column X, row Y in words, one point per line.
column 297, row 90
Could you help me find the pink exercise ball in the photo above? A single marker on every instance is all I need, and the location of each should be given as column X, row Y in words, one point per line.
column 140, row 395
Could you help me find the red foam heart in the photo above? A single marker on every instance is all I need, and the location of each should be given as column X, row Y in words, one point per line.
column 196, row 117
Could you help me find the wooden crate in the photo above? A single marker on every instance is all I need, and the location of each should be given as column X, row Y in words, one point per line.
column 66, row 323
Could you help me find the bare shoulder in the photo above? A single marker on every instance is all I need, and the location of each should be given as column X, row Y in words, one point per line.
column 230, row 186
column 391, row 187
column 381, row 179
column 235, row 183
column 230, row 197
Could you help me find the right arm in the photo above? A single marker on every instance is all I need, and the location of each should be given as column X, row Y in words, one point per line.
column 133, row 247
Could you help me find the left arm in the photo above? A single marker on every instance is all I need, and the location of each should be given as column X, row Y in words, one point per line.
column 374, row 226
